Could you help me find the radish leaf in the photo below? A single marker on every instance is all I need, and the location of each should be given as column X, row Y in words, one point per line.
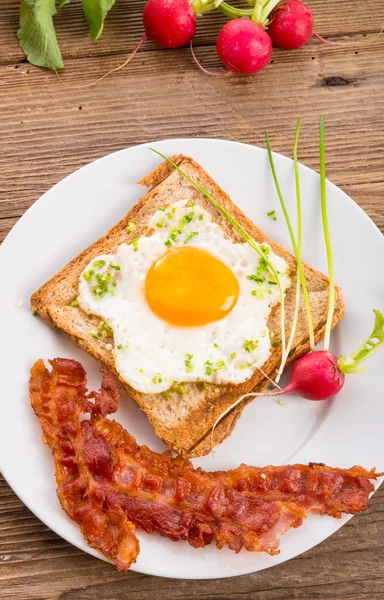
column 37, row 35
column 349, row 364
column 95, row 12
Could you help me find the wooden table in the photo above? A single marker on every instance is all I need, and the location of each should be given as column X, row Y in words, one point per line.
column 48, row 130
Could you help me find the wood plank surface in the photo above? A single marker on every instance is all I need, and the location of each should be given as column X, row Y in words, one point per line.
column 48, row 130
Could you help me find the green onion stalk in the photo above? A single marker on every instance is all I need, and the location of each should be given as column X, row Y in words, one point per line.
column 296, row 246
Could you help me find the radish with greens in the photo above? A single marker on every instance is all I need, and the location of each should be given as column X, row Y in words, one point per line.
column 320, row 374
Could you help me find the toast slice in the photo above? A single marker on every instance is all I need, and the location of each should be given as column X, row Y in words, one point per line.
column 184, row 422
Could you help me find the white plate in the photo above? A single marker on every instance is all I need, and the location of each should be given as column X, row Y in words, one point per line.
column 82, row 207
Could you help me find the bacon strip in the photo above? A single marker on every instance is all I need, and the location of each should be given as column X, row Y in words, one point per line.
column 313, row 487
column 108, row 484
column 58, row 399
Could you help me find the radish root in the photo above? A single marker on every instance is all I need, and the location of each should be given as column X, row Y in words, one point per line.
column 225, row 74
column 124, row 64
column 363, row 42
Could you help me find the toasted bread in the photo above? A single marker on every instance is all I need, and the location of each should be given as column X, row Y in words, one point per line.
column 183, row 422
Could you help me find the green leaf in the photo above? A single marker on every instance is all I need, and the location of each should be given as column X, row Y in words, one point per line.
column 349, row 364
column 95, row 12
column 37, row 35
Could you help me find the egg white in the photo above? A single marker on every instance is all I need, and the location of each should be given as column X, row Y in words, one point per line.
column 150, row 353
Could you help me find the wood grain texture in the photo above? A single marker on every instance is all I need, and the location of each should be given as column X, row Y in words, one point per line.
column 48, row 130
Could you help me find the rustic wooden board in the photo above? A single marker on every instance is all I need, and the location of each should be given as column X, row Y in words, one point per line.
column 48, row 130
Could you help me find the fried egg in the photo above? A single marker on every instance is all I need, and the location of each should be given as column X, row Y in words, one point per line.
column 185, row 302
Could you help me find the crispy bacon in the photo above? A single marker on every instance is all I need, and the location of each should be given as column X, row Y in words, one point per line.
column 108, row 484
column 58, row 399
column 313, row 487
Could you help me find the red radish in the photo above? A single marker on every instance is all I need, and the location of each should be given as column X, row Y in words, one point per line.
column 244, row 46
column 169, row 23
column 315, row 376
column 292, row 25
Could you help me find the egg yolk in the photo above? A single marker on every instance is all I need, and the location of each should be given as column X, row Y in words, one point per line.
column 189, row 287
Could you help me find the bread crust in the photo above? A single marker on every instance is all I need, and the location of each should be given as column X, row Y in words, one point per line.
column 184, row 422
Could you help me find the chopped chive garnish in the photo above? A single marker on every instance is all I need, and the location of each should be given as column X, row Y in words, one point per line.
column 190, row 236
column 275, row 344
column 161, row 223
column 250, row 345
column 205, row 387
column 141, row 371
column 188, row 218
column 35, row 313
column 88, row 274
column 188, row 363
column 165, row 394
column 233, row 355
column 215, row 345
column 256, row 278
column 208, row 367
column 115, row 266
column 135, row 244
column 74, row 304
column 157, row 378
column 161, row 208
column 258, row 294
column 94, row 334
column 272, row 214
column 168, row 243
column 119, row 347
column 131, row 226
column 220, row 364
column 98, row 264
column 272, row 282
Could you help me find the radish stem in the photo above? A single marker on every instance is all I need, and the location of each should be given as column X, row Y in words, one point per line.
column 245, row 235
column 233, row 13
column 292, row 236
column 327, row 237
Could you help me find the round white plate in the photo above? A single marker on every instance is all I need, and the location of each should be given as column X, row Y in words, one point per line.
column 82, row 207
